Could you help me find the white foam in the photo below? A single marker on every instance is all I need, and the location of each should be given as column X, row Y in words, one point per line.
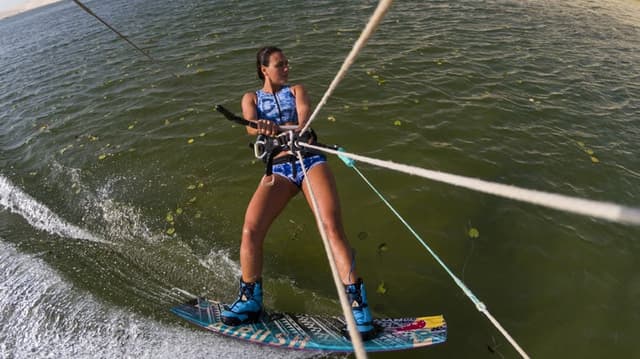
column 42, row 316
column 13, row 199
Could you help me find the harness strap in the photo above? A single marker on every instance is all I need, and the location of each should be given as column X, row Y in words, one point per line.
column 271, row 147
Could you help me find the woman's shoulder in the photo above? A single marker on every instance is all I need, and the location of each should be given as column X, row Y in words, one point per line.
column 249, row 98
column 297, row 89
column 251, row 95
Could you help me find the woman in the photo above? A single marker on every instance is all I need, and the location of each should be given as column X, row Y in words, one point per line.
column 277, row 104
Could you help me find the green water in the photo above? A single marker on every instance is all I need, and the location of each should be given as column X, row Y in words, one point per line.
column 120, row 179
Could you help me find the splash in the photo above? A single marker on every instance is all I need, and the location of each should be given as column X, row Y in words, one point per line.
column 114, row 219
column 13, row 199
column 42, row 315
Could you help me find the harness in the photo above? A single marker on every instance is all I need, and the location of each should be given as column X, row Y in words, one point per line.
column 267, row 148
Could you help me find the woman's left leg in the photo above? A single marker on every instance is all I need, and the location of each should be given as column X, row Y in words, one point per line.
column 324, row 189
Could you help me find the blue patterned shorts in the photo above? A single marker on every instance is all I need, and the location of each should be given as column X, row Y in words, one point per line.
column 296, row 176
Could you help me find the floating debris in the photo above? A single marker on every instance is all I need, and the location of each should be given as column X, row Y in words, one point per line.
column 67, row 147
column 331, row 118
column 382, row 247
column 381, row 288
column 374, row 75
column 588, row 151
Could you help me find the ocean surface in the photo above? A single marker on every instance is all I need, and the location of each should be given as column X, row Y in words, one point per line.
column 122, row 191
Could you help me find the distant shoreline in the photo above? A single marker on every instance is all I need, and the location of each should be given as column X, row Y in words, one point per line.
column 29, row 5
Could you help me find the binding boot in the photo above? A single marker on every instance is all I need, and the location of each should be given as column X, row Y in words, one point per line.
column 247, row 308
column 357, row 297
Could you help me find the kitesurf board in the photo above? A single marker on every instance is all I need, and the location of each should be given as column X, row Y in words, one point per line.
column 316, row 332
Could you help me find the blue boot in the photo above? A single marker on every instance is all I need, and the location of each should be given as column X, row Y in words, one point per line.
column 357, row 296
column 247, row 308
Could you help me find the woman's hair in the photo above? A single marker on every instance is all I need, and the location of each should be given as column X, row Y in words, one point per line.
column 262, row 58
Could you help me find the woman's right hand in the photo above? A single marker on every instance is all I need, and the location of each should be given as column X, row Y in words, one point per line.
column 268, row 128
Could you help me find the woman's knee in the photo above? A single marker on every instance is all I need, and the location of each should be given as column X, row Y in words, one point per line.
column 252, row 235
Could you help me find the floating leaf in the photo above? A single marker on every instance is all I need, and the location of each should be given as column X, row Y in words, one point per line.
column 169, row 217
column 191, row 187
column 594, row 159
column 381, row 288
column 200, row 185
column 191, row 140
column 179, row 211
column 331, row 118
column 193, row 199
column 102, row 156
column 397, row 123
column 131, row 127
column 171, row 231
column 474, row 233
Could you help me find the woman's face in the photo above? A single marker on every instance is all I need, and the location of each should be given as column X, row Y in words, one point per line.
column 278, row 70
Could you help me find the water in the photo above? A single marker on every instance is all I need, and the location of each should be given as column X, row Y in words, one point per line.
column 109, row 213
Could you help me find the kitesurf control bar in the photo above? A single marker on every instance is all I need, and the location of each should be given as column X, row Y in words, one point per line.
column 235, row 118
column 239, row 120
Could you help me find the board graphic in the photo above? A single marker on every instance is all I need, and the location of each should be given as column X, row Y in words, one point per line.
column 316, row 332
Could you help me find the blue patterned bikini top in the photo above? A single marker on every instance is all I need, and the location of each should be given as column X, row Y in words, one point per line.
column 279, row 107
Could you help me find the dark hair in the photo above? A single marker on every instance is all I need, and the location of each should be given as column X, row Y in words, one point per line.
column 262, row 58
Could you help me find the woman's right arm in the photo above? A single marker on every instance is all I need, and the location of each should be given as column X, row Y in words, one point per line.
column 249, row 111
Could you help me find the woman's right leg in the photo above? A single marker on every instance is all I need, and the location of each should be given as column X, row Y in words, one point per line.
column 265, row 205
column 267, row 202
